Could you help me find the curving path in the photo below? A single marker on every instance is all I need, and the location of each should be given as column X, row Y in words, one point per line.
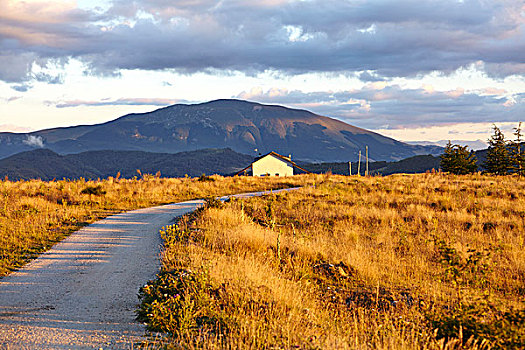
column 82, row 294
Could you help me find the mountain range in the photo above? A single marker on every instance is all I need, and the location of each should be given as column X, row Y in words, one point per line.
column 475, row 145
column 46, row 165
column 244, row 127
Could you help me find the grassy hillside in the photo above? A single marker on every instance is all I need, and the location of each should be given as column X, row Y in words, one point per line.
column 401, row 262
column 36, row 214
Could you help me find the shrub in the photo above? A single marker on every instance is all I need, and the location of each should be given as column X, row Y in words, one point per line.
column 204, row 178
column 212, row 202
column 179, row 301
column 477, row 319
column 94, row 190
column 480, row 321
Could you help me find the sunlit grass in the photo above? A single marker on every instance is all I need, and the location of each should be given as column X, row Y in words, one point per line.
column 36, row 214
column 400, row 262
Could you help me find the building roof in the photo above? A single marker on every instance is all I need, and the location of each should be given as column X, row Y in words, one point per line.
column 272, row 153
column 280, row 157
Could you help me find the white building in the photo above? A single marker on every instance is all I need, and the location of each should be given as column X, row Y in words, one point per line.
column 272, row 164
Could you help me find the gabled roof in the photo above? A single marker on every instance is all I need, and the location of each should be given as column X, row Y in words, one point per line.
column 272, row 153
column 277, row 155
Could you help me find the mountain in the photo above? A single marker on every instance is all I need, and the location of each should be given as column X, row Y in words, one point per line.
column 411, row 165
column 473, row 145
column 45, row 164
column 240, row 125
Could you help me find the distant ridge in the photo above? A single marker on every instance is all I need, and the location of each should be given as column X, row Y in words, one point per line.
column 239, row 125
column 410, row 165
column 46, row 165
column 473, row 145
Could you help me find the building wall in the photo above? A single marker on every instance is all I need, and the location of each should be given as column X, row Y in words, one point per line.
column 273, row 166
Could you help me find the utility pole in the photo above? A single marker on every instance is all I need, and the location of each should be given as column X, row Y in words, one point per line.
column 350, row 168
column 366, row 173
column 359, row 165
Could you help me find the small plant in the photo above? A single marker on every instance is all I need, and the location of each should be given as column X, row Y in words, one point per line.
column 463, row 270
column 204, row 178
column 175, row 233
column 93, row 190
column 481, row 321
column 212, row 202
column 179, row 301
column 478, row 319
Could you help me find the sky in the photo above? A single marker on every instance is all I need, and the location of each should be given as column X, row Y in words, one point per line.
column 413, row 70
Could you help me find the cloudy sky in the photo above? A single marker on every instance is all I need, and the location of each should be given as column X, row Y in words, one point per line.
column 414, row 70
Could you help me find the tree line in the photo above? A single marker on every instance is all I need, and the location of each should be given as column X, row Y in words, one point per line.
column 503, row 156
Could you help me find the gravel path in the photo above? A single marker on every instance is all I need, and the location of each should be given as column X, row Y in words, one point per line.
column 82, row 294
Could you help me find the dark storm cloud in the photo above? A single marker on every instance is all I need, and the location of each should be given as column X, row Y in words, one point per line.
column 384, row 38
column 393, row 107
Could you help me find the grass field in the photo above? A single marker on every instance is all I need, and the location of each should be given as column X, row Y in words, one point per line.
column 35, row 214
column 427, row 261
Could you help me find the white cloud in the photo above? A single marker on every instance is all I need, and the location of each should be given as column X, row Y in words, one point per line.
column 34, row 141
column 118, row 102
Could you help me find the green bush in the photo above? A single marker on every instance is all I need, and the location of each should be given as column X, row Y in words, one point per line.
column 94, row 190
column 204, row 178
column 179, row 301
column 480, row 321
column 212, row 202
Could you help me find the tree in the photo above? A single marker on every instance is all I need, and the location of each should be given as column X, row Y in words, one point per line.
column 498, row 159
column 458, row 160
column 517, row 156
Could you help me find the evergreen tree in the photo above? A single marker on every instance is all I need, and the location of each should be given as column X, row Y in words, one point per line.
column 458, row 160
column 498, row 159
column 517, row 155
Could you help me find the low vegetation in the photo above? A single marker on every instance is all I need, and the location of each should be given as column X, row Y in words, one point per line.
column 35, row 214
column 503, row 157
column 458, row 160
column 426, row 261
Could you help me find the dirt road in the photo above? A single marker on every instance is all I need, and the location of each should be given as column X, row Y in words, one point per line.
column 82, row 294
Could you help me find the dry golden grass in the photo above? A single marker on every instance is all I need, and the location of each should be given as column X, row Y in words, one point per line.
column 35, row 214
column 350, row 262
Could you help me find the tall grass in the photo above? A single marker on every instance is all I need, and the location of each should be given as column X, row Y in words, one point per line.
column 400, row 262
column 35, row 214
